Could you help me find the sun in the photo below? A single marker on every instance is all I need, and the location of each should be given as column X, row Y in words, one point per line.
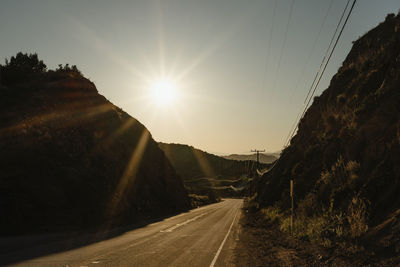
column 164, row 92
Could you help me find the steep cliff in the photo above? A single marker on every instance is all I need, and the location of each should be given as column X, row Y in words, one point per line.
column 344, row 159
column 70, row 159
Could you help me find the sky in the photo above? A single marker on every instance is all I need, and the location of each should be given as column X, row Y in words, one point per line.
column 240, row 69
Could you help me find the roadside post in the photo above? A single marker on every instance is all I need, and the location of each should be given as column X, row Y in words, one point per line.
column 291, row 196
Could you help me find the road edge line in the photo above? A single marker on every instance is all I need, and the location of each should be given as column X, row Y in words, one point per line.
column 223, row 241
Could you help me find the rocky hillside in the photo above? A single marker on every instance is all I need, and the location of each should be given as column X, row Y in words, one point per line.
column 70, row 159
column 344, row 159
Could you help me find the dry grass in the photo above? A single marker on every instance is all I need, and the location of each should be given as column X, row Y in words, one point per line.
column 357, row 217
column 272, row 214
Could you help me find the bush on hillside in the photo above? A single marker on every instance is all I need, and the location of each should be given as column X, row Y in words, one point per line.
column 20, row 68
column 23, row 67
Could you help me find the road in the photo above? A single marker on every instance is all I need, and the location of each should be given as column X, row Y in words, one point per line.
column 201, row 237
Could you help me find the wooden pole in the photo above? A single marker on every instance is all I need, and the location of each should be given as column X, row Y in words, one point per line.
column 291, row 217
column 258, row 156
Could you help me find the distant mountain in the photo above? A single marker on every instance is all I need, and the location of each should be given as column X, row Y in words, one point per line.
column 344, row 159
column 70, row 159
column 264, row 157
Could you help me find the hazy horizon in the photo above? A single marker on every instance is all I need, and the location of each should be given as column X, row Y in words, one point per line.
column 239, row 86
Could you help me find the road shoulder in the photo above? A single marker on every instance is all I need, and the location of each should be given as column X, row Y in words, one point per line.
column 266, row 245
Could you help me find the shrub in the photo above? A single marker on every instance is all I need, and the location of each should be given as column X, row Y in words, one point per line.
column 324, row 229
column 338, row 181
column 311, row 228
column 310, row 205
column 390, row 16
column 341, row 99
column 271, row 214
column 357, row 217
column 252, row 203
column 21, row 67
column 67, row 68
column 199, row 200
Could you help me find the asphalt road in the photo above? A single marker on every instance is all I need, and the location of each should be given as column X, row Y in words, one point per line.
column 202, row 237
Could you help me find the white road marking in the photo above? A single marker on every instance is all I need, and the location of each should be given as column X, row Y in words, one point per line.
column 223, row 241
column 182, row 224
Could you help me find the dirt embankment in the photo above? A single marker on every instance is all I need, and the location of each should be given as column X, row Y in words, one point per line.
column 344, row 158
column 264, row 244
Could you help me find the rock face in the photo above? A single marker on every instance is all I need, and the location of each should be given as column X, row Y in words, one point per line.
column 347, row 147
column 70, row 159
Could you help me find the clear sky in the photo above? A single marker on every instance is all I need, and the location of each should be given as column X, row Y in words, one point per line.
column 238, row 85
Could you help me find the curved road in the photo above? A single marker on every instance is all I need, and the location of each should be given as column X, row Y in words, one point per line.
column 201, row 237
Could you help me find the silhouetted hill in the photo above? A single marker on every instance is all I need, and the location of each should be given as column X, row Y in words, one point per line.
column 264, row 157
column 344, row 159
column 207, row 174
column 70, row 159
column 191, row 162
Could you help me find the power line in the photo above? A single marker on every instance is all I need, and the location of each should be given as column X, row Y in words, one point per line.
column 292, row 129
column 269, row 44
column 284, row 43
column 326, row 63
column 330, row 55
column 327, row 50
column 315, row 42
column 305, row 66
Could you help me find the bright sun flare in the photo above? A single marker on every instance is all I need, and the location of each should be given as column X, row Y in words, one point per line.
column 164, row 92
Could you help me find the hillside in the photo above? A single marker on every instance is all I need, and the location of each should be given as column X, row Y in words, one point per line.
column 71, row 160
column 344, row 159
column 207, row 174
column 264, row 157
column 191, row 162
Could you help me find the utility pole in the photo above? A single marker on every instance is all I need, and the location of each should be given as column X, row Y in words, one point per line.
column 258, row 155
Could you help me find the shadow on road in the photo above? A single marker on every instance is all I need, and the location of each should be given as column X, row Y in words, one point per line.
column 20, row 248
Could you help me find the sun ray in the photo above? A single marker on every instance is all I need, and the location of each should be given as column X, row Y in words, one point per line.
column 79, row 113
column 203, row 163
column 177, row 117
column 161, row 40
column 208, row 51
column 124, row 127
column 213, row 47
column 128, row 178
column 106, row 49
